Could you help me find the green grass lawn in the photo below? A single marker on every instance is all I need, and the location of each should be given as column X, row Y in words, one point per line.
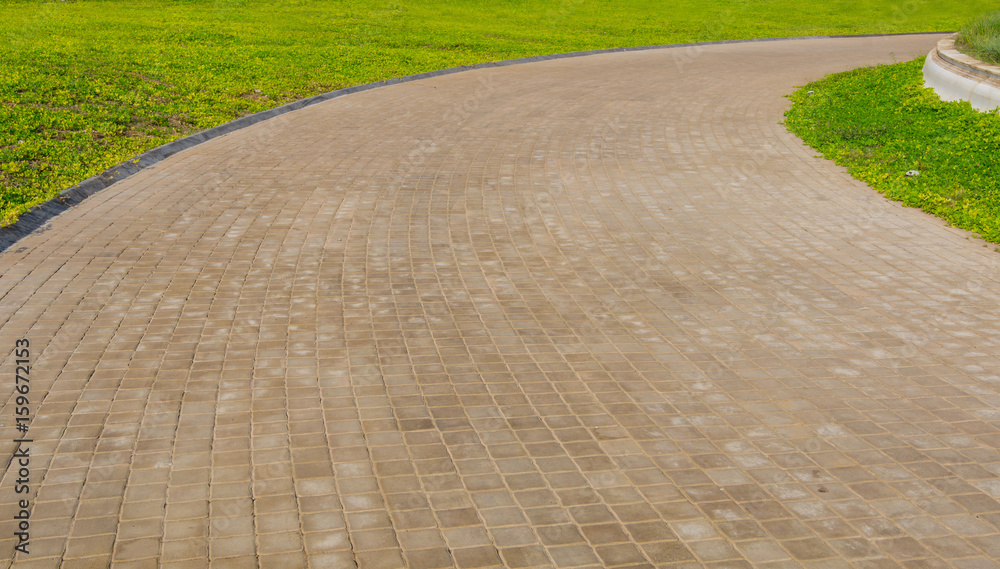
column 880, row 122
column 85, row 85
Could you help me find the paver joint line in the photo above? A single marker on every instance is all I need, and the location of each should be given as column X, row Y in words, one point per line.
column 40, row 214
column 578, row 312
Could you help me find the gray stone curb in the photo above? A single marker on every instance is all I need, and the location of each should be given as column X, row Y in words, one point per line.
column 40, row 214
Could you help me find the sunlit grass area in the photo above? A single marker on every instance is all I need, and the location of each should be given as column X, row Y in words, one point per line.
column 85, row 85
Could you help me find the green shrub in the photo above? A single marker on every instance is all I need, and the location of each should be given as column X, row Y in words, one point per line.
column 981, row 38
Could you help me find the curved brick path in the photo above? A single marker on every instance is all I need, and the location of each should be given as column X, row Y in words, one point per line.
column 589, row 312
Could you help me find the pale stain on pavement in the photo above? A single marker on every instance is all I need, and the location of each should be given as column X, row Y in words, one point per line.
column 590, row 312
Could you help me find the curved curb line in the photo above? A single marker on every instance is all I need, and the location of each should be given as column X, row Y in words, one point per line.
column 956, row 76
column 38, row 215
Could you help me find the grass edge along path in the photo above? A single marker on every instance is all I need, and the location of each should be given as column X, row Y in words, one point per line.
column 89, row 84
column 901, row 139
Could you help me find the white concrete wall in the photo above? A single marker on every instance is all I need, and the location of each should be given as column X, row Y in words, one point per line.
column 958, row 77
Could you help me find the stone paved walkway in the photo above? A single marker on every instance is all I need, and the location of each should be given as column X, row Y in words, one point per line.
column 589, row 312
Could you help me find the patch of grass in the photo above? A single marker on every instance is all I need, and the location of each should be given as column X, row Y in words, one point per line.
column 87, row 84
column 880, row 122
column 981, row 38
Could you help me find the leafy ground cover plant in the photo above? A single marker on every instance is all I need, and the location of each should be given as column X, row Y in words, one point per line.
column 880, row 122
column 88, row 84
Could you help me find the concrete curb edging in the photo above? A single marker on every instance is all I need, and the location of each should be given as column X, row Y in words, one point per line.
column 956, row 76
column 37, row 216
